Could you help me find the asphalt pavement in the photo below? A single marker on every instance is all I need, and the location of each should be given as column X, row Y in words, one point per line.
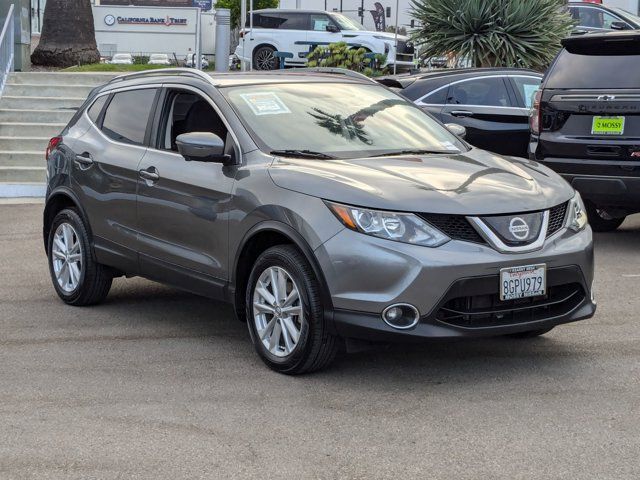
column 160, row 384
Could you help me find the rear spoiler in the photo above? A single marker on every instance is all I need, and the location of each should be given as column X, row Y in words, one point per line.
column 612, row 43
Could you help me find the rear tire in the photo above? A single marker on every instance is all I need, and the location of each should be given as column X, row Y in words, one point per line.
column 600, row 220
column 264, row 58
column 287, row 324
column 530, row 333
column 77, row 277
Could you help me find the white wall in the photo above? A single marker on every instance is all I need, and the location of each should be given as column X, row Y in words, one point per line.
column 149, row 37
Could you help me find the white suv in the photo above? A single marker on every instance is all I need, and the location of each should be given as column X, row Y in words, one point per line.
column 297, row 32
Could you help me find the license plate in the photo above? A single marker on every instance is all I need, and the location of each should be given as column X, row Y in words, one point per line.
column 522, row 282
column 607, row 126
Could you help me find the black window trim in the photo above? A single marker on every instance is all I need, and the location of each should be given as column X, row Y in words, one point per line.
column 111, row 93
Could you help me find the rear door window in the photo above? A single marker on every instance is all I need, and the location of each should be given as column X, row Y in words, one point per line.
column 294, row 21
column 525, row 88
column 127, row 116
column 266, row 20
column 487, row 91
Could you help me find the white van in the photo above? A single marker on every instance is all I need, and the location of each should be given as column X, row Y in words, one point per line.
column 299, row 31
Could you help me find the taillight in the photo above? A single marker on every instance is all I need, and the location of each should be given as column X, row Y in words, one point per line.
column 53, row 143
column 535, row 115
column 241, row 33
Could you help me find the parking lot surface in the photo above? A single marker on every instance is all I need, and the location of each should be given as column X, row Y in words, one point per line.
column 157, row 383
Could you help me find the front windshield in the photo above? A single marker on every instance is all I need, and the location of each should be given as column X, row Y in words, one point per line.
column 345, row 23
column 344, row 120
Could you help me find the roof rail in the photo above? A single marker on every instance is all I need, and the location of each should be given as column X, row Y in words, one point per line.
column 336, row 71
column 192, row 72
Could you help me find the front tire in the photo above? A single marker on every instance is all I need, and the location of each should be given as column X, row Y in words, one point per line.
column 264, row 58
column 600, row 220
column 285, row 315
column 77, row 278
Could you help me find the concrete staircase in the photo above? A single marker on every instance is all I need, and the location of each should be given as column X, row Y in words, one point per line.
column 34, row 107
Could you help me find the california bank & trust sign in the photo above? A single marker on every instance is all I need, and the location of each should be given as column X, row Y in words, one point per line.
column 168, row 20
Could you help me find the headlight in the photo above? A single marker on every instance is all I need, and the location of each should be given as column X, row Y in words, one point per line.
column 400, row 227
column 577, row 218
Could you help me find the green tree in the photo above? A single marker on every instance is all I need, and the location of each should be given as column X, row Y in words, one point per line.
column 234, row 6
column 340, row 55
column 68, row 36
column 505, row 33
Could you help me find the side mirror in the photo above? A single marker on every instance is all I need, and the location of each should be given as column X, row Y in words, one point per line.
column 332, row 28
column 619, row 26
column 202, row 147
column 457, row 130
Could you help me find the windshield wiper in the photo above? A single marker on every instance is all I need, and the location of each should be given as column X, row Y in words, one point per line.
column 413, row 152
column 301, row 154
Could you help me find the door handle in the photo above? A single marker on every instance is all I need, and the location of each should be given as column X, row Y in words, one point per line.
column 85, row 159
column 461, row 113
column 150, row 174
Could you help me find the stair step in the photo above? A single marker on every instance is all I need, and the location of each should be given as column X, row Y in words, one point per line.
column 17, row 144
column 22, row 174
column 40, row 103
column 12, row 129
column 22, row 158
column 61, row 78
column 36, row 90
column 36, row 116
column 22, row 189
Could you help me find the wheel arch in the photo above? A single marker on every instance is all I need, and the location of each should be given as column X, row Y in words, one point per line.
column 59, row 200
column 258, row 239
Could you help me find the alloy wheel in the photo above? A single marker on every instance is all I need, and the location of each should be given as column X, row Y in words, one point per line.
column 277, row 311
column 265, row 59
column 66, row 257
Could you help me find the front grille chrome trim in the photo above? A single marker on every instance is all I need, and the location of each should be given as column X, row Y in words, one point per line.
column 493, row 240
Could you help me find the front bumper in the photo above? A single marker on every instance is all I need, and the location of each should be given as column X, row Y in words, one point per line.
column 366, row 274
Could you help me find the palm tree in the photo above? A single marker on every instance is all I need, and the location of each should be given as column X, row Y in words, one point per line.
column 503, row 33
column 68, row 36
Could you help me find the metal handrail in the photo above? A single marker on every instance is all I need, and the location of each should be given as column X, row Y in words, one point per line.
column 7, row 39
column 164, row 72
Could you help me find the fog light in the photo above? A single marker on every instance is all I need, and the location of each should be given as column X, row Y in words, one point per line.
column 401, row 316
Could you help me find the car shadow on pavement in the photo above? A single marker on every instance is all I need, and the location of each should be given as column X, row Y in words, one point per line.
column 163, row 312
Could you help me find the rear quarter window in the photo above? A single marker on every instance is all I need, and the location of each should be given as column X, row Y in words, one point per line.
column 579, row 70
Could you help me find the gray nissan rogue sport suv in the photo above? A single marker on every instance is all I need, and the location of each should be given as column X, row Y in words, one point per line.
column 321, row 204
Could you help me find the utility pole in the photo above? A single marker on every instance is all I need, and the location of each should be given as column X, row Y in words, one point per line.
column 395, row 60
column 243, row 23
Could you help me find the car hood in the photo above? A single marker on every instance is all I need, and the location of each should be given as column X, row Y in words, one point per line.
column 470, row 183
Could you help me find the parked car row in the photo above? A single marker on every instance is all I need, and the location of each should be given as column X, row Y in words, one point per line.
column 298, row 32
column 156, row 59
column 579, row 119
column 493, row 104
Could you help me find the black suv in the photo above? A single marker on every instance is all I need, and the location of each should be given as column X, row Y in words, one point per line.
column 585, row 123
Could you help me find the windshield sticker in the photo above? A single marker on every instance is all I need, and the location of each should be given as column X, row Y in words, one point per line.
column 265, row 103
